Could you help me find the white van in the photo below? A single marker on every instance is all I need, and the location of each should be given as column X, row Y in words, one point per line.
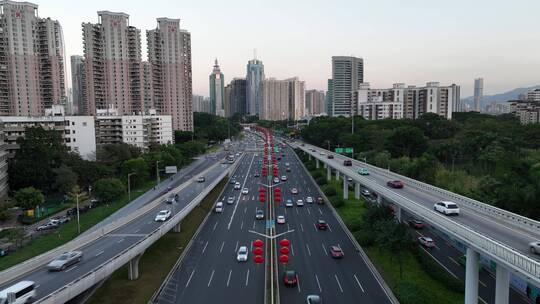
column 446, row 208
column 22, row 292
column 218, row 209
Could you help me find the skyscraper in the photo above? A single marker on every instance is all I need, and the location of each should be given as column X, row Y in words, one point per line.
column 217, row 94
column 238, row 96
column 478, row 93
column 113, row 68
column 347, row 74
column 282, row 99
column 169, row 54
column 315, row 102
column 254, row 78
column 147, row 87
column 329, row 97
column 297, row 98
column 77, row 80
column 32, row 75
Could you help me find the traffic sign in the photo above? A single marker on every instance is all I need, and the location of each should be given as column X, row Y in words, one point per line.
column 349, row 150
column 338, row 150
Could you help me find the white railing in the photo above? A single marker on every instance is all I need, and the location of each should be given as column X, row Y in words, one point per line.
column 105, row 269
column 485, row 244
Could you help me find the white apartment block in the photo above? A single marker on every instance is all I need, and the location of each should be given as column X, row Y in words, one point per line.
column 137, row 130
column 375, row 104
column 77, row 132
column 534, row 95
column 282, row 99
column 315, row 102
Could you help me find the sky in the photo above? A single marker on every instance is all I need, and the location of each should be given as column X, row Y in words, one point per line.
column 413, row 41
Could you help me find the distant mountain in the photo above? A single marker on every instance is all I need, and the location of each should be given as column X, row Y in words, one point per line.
column 502, row 97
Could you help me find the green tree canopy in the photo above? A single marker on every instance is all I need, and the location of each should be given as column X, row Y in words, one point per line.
column 109, row 189
column 28, row 198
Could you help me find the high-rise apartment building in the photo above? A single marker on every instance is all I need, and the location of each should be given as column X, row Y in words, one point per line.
column 347, row 74
column 227, row 100
column 297, row 97
column 315, row 102
column 254, row 78
column 478, row 93
column 201, row 104
column 238, row 103
column 329, row 97
column 282, row 99
column 113, row 68
column 77, row 80
column 217, row 94
column 4, row 187
column 32, row 71
column 147, row 87
column 169, row 54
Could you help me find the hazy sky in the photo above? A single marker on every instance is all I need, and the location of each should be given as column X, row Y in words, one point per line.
column 412, row 41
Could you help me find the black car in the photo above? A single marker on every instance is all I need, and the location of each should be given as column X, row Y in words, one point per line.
column 290, row 278
column 257, row 174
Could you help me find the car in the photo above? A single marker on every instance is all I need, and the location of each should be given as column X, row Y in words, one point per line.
column 281, row 219
column 294, row 191
column 416, row 224
column 284, row 177
column 54, row 221
column 21, row 292
column 279, row 158
column 169, row 188
column 290, row 278
column 242, row 255
column 396, row 184
column 330, row 156
column 349, row 179
column 446, row 208
column 276, row 180
column 65, row 260
column 322, row 225
column 257, row 174
column 347, row 163
column 363, row 171
column 303, row 145
column 288, row 169
column 336, row 252
column 535, row 247
column 300, row 203
column 201, row 179
column 259, row 214
column 171, row 199
column 426, row 241
column 320, row 200
column 237, row 186
column 245, row 191
column 219, row 207
column 309, row 199
column 47, row 226
column 287, row 164
column 365, row 192
column 314, row 299
column 163, row 215
column 232, row 182
column 322, row 153
column 62, row 219
column 288, row 203
column 230, row 200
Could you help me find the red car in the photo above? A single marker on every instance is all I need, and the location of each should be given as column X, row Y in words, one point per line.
column 347, row 163
column 320, row 200
column 395, row 184
column 290, row 278
column 336, row 252
column 322, row 225
column 416, row 224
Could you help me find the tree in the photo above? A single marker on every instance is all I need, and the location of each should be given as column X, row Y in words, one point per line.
column 395, row 238
column 407, row 141
column 137, row 166
column 182, row 136
column 109, row 189
column 28, row 198
column 65, row 180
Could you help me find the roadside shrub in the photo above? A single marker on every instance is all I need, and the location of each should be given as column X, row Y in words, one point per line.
column 438, row 273
column 310, row 166
column 317, row 174
column 364, row 238
column 338, row 202
column 354, row 224
column 321, row 181
column 410, row 293
column 329, row 190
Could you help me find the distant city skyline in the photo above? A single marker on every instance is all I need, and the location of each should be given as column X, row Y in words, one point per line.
column 449, row 44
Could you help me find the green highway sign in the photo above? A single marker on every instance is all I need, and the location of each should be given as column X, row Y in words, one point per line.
column 342, row 150
column 349, row 150
column 338, row 150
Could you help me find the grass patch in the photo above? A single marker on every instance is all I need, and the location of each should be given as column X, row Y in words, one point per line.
column 68, row 231
column 156, row 262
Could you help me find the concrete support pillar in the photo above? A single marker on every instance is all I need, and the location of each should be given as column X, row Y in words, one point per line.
column 379, row 199
column 133, row 267
column 317, row 163
column 357, row 190
column 309, row 156
column 328, row 173
column 325, row 165
column 471, row 277
column 502, row 287
column 345, row 188
column 337, row 175
column 397, row 214
column 177, row 227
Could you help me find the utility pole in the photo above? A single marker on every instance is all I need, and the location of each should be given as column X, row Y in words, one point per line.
column 78, row 215
column 157, row 171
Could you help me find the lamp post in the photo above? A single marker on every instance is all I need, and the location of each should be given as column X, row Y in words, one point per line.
column 157, row 171
column 78, row 214
column 129, row 186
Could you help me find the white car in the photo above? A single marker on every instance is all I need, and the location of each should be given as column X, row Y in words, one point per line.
column 230, row 200
column 446, row 208
column 245, row 191
column 284, row 178
column 276, row 180
column 237, row 186
column 294, row 191
column 242, row 255
column 288, row 203
column 322, row 153
column 535, row 247
column 163, row 215
column 300, row 203
column 309, row 199
column 281, row 219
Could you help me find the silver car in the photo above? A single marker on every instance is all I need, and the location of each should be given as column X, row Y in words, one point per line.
column 65, row 260
column 535, row 247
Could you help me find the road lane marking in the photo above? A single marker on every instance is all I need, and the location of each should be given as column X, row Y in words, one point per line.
column 70, row 269
column 298, row 284
column 253, row 224
column 236, row 247
column 238, row 200
column 221, row 249
column 318, row 283
column 307, row 247
column 309, row 212
column 211, row 277
column 339, row 284
column 288, row 227
column 205, row 247
column 190, row 276
column 302, row 227
column 455, row 276
column 329, row 228
column 324, row 249
column 229, row 278
column 297, row 211
column 245, row 210
column 137, row 230
column 119, row 241
column 292, row 249
column 215, row 225
column 100, row 253
column 454, row 261
column 247, row 278
column 241, row 225
column 320, row 211
column 483, row 301
column 358, row 282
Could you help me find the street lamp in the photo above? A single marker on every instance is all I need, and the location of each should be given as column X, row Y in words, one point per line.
column 129, row 185
column 78, row 214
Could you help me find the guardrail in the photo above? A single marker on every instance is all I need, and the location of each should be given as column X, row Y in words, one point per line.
column 106, row 268
column 507, row 216
column 497, row 250
column 23, row 268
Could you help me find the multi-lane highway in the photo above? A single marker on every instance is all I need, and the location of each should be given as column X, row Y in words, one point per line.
column 104, row 248
column 210, row 272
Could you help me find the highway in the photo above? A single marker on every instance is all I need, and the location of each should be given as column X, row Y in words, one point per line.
column 495, row 228
column 104, row 248
column 209, row 271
